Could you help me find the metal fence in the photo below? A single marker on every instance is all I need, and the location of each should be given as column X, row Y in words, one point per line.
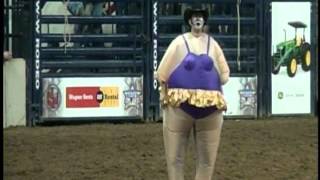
column 17, row 27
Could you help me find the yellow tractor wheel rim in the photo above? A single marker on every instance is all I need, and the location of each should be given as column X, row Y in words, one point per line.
column 308, row 58
column 293, row 65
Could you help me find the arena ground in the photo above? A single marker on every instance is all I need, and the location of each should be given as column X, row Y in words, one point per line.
column 267, row 149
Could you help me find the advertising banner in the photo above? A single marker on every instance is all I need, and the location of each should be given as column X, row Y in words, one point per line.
column 291, row 58
column 92, row 97
column 241, row 96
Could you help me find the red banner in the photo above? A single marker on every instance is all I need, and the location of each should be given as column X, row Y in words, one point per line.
column 77, row 97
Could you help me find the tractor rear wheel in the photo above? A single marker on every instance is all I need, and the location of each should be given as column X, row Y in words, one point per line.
column 306, row 56
column 292, row 66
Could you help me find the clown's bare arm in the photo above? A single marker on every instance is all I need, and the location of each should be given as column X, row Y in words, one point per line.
column 165, row 66
column 168, row 61
column 222, row 64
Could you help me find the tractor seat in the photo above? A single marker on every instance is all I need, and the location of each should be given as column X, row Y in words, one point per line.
column 298, row 40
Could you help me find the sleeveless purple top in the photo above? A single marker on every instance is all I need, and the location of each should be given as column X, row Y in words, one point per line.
column 196, row 72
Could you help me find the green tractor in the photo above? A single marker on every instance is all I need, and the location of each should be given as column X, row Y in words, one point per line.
column 292, row 52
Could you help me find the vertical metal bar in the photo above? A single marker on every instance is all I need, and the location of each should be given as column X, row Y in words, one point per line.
column 154, row 57
column 30, row 80
column 314, row 62
column 316, row 56
column 135, row 48
column 263, row 57
column 35, row 64
column 14, row 15
column 6, row 16
column 260, row 63
column 267, row 55
column 145, row 69
column 10, row 25
column 40, row 92
column 29, row 70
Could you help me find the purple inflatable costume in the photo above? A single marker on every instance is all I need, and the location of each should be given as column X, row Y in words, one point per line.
column 196, row 72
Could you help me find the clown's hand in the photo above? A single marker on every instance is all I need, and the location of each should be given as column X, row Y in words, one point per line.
column 163, row 94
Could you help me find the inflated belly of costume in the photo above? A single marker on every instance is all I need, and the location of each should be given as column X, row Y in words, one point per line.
column 195, row 86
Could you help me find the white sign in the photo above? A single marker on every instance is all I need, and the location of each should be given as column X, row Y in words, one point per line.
column 291, row 82
column 241, row 96
column 93, row 97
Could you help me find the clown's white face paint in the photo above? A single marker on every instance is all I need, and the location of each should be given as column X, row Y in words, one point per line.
column 197, row 22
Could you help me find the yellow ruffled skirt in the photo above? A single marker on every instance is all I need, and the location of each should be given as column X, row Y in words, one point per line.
column 197, row 97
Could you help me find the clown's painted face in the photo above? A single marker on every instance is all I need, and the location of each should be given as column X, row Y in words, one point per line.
column 197, row 21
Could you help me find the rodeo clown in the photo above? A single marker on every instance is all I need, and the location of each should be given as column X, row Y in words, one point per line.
column 191, row 74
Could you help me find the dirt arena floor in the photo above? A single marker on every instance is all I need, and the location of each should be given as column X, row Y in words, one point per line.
column 273, row 149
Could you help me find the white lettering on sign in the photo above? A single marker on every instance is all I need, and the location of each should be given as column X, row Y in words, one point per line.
column 87, row 97
column 155, row 43
column 80, row 97
column 74, row 97
column 37, row 47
